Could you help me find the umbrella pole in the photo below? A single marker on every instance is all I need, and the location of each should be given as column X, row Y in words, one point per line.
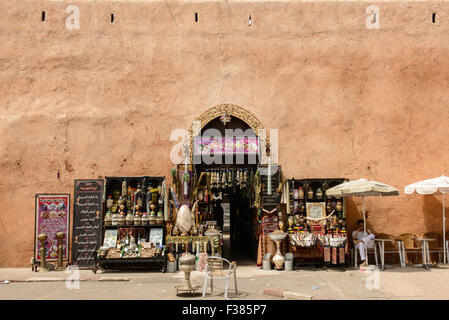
column 364, row 227
column 444, row 231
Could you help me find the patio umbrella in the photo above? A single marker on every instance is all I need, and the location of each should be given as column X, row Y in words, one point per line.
column 432, row 186
column 362, row 188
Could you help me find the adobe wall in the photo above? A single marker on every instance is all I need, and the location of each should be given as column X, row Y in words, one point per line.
column 102, row 100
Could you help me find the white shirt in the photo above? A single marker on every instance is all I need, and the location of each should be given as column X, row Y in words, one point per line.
column 361, row 234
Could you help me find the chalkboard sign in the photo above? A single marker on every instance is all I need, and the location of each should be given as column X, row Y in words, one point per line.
column 87, row 217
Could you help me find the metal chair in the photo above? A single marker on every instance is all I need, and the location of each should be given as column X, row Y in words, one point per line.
column 368, row 251
column 215, row 270
column 392, row 247
column 434, row 246
column 409, row 245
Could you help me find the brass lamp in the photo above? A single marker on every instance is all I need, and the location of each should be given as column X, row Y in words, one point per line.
column 187, row 264
column 60, row 236
column 42, row 237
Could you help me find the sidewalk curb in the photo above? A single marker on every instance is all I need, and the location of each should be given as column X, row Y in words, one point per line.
column 64, row 279
column 286, row 294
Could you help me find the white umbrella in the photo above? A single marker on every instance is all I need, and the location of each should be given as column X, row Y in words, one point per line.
column 432, row 186
column 362, row 188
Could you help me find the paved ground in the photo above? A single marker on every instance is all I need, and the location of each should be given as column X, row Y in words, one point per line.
column 398, row 283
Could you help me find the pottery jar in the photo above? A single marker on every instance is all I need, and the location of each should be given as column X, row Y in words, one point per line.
column 300, row 193
column 129, row 218
column 159, row 218
column 109, row 202
column 108, row 218
column 152, row 219
column 115, row 219
column 310, row 194
column 121, row 219
column 144, row 219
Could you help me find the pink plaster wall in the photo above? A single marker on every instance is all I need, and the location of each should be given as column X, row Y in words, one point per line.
column 102, row 100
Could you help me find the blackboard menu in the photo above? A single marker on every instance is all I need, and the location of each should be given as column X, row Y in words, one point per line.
column 87, row 217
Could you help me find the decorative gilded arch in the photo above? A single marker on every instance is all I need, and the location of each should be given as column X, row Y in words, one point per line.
column 207, row 116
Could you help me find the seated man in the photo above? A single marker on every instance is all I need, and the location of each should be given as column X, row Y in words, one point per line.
column 362, row 240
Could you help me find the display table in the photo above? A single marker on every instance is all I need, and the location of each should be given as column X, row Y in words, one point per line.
column 119, row 263
column 318, row 250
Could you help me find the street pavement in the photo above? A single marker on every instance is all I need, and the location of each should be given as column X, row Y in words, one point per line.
column 253, row 283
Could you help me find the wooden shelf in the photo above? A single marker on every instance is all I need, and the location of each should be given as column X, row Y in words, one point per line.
column 135, row 226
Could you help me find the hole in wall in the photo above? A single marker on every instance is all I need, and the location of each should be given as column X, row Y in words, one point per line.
column 434, row 17
column 196, row 16
column 374, row 18
column 58, row 174
column 250, row 21
column 112, row 18
column 43, row 16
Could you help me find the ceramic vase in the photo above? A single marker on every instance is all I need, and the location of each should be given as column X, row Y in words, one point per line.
column 278, row 259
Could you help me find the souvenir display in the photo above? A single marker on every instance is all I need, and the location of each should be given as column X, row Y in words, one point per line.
column 316, row 223
column 143, row 221
column 130, row 220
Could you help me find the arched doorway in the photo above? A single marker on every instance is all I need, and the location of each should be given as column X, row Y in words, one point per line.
column 232, row 168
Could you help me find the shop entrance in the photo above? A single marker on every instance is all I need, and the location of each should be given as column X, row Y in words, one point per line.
column 233, row 192
column 231, row 207
column 241, row 228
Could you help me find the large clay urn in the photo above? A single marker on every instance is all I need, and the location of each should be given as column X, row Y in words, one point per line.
column 278, row 259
